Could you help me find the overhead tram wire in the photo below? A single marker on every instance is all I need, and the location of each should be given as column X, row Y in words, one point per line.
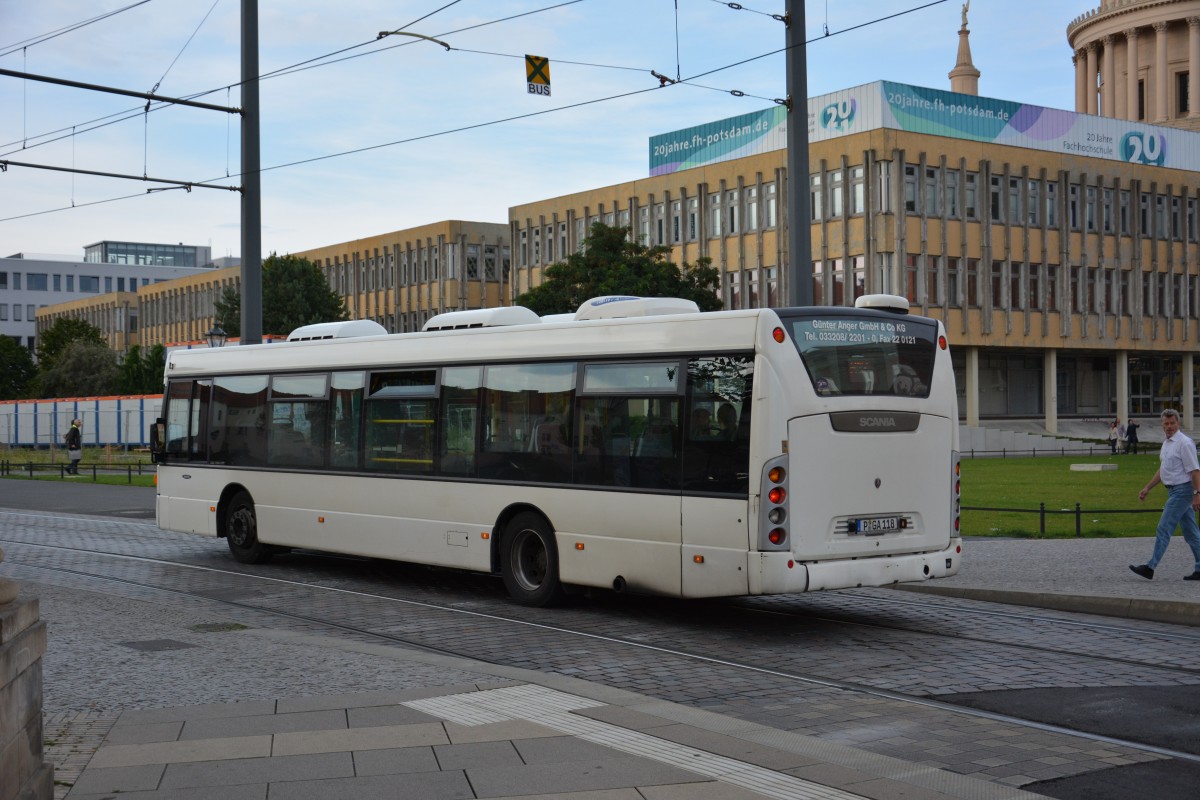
column 476, row 126
column 45, row 37
column 300, row 66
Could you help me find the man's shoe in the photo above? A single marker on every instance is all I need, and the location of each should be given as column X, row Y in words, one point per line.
column 1145, row 571
column 1195, row 576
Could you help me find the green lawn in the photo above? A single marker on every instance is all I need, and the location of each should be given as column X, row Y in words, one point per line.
column 1024, row 483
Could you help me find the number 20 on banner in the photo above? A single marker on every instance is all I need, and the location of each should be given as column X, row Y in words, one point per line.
column 537, row 73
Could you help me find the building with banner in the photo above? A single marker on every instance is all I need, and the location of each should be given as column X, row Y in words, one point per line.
column 1060, row 249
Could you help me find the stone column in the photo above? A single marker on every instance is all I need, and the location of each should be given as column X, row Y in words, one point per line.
column 1161, row 110
column 972, row 387
column 1193, row 67
column 1132, row 74
column 1108, row 84
column 1092, row 57
column 1079, row 59
column 22, row 643
column 1123, row 385
column 1187, row 373
column 1050, row 389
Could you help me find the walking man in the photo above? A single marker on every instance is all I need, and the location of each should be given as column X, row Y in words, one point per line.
column 74, row 447
column 1179, row 471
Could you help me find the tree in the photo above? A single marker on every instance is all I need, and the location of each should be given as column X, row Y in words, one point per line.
column 55, row 339
column 295, row 293
column 82, row 369
column 141, row 372
column 609, row 263
column 17, row 371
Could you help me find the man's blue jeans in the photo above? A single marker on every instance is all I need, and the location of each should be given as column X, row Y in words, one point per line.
column 1177, row 512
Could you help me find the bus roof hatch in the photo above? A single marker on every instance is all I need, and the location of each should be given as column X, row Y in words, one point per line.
column 349, row 329
column 883, row 302
column 618, row 306
column 481, row 318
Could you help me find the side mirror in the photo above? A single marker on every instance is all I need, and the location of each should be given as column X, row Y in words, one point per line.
column 158, row 434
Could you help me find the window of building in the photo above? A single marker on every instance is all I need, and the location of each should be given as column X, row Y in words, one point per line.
column 771, row 204
column 31, row 312
column 16, row 280
column 733, row 286
column 660, row 218
column 972, row 196
column 537, row 254
column 89, row 283
column 997, row 284
column 952, row 282
column 1033, row 201
column 3, row 312
column 932, row 198
column 1123, row 204
column 1051, row 204
column 1051, row 287
column 549, row 246
column 1177, row 306
column 1181, row 94
column 1014, row 287
column 858, row 190
column 16, row 312
column 1014, row 201
column 911, row 203
column 3, row 280
column 714, row 210
column 910, row 278
column 1073, row 215
column 693, row 218
column 580, row 233
column 1034, row 300
column 58, row 283
column 815, row 197
column 1191, row 219
column 885, row 186
column 1160, row 216
column 1141, row 100
column 1147, row 293
column 972, row 283
column 37, row 282
column 837, row 281
column 623, row 218
column 1089, row 208
column 1144, row 208
column 1106, row 214
column 751, row 216
column 996, row 206
column 858, row 268
column 644, row 225
column 752, row 298
column 933, row 295
column 951, row 195
column 836, row 193
column 731, row 198
column 819, row 284
column 1176, row 226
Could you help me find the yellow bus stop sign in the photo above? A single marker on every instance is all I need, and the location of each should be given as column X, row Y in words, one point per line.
column 537, row 73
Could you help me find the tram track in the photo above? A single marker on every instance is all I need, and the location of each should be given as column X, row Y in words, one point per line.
column 373, row 633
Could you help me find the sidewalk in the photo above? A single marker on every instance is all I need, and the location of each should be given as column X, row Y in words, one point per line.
column 457, row 728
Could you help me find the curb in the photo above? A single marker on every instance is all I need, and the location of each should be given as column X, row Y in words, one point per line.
column 1175, row 612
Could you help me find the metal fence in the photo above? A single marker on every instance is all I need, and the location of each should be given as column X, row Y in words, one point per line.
column 31, row 470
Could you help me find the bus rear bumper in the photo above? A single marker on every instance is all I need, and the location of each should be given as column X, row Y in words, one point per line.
column 779, row 573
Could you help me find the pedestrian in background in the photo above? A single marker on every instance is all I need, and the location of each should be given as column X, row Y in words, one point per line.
column 1179, row 471
column 1112, row 436
column 74, row 439
column 1121, row 443
column 1131, row 437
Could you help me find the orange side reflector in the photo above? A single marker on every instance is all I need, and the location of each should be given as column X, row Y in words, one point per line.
column 579, row 545
column 485, row 535
column 212, row 508
column 321, row 520
column 698, row 559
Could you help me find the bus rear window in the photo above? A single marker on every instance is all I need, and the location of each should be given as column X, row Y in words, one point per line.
column 859, row 354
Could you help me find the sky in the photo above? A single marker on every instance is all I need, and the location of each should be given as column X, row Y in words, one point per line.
column 434, row 128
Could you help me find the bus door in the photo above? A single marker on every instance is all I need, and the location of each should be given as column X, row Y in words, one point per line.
column 715, row 478
column 187, row 439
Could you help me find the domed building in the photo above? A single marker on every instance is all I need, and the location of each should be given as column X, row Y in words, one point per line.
column 1134, row 60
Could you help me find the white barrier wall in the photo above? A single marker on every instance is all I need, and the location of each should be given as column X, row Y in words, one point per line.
column 106, row 420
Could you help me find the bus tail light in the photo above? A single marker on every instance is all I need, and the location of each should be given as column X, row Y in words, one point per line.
column 773, row 515
column 956, row 497
column 779, row 335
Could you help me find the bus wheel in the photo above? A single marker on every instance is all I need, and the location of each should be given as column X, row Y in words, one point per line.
column 529, row 562
column 241, row 532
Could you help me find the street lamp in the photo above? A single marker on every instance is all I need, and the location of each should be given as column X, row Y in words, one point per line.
column 217, row 336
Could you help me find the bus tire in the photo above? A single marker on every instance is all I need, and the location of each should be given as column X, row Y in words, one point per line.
column 529, row 561
column 241, row 532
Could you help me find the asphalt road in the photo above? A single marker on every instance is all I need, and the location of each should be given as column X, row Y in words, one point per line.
column 79, row 496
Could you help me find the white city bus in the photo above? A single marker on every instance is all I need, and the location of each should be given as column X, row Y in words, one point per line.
column 639, row 445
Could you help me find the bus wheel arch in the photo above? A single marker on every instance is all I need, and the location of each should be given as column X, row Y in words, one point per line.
column 528, row 556
column 239, row 526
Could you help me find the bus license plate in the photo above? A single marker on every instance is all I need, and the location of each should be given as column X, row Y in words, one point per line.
column 876, row 525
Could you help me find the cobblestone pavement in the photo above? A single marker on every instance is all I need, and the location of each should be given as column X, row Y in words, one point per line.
column 118, row 645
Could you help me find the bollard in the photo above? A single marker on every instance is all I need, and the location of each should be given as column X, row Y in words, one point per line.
column 1077, row 528
column 1041, row 519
